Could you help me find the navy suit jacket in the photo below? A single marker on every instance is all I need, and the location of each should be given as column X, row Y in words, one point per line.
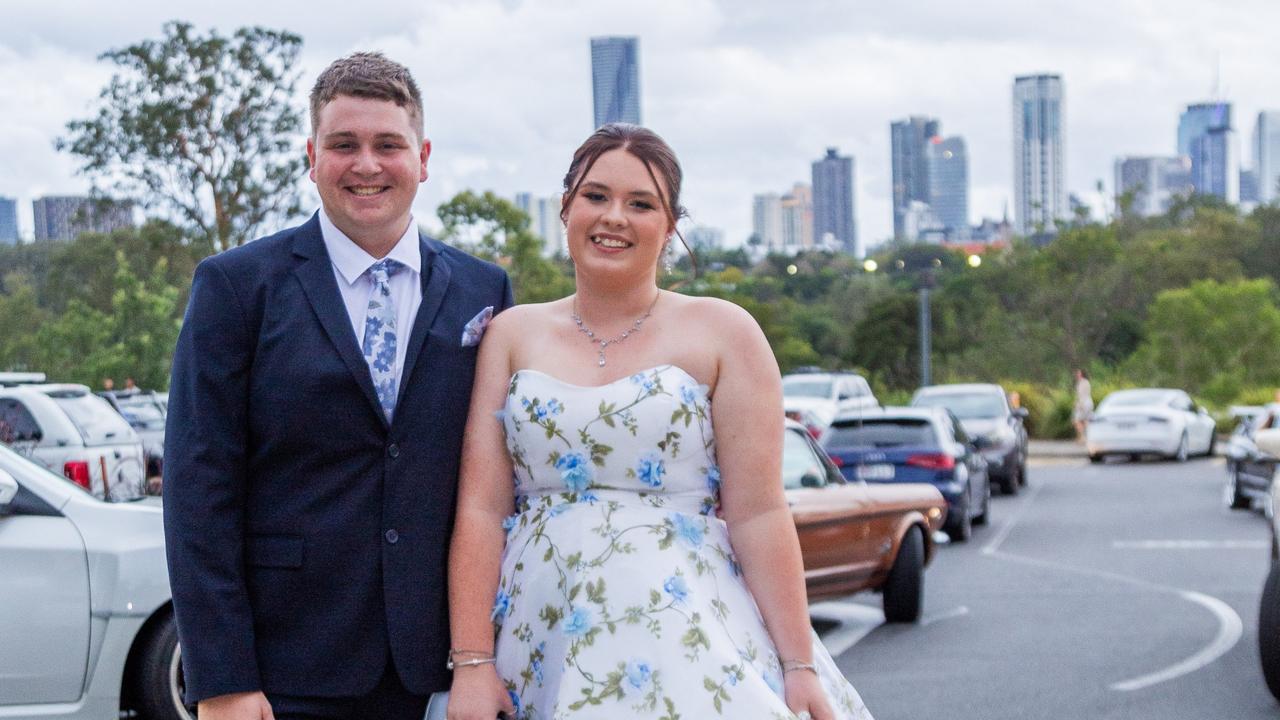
column 307, row 537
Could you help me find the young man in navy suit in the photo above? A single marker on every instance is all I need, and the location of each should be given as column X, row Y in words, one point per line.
column 320, row 389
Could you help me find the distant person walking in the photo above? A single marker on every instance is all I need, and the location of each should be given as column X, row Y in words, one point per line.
column 1083, row 409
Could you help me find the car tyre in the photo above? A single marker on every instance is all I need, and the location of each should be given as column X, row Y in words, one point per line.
column 1269, row 630
column 1236, row 500
column 904, row 589
column 1213, row 444
column 1009, row 483
column 1022, row 473
column 157, row 682
column 960, row 529
column 1097, row 459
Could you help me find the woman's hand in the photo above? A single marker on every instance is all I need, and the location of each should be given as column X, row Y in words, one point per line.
column 804, row 694
column 477, row 693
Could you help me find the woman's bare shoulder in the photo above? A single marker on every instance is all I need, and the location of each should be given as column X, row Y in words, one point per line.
column 717, row 316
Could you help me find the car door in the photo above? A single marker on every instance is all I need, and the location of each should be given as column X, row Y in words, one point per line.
column 44, row 604
column 973, row 462
column 829, row 515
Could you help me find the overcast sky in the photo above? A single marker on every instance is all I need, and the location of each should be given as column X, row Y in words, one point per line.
column 748, row 92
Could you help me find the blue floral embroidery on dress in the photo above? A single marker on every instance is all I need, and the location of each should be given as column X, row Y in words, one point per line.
column 650, row 470
column 677, row 588
column 580, row 621
column 688, row 529
column 501, row 604
column 575, row 471
column 639, row 674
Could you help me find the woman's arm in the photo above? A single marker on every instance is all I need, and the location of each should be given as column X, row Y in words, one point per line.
column 485, row 499
column 748, row 420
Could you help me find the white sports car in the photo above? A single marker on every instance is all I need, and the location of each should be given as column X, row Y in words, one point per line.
column 86, row 623
column 1149, row 420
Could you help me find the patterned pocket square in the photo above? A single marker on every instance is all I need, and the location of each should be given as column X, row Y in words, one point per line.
column 474, row 330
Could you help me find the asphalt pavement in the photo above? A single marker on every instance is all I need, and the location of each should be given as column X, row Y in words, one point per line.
column 1113, row 591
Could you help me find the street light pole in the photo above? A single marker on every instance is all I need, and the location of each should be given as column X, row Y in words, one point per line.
column 926, row 351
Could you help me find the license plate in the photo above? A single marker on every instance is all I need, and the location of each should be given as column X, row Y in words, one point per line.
column 1126, row 426
column 875, row 472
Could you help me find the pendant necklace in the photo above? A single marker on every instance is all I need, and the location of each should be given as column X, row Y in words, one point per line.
column 591, row 336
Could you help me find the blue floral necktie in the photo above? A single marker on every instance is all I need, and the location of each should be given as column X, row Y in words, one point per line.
column 379, row 344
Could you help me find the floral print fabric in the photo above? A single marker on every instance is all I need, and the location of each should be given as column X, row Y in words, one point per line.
column 619, row 594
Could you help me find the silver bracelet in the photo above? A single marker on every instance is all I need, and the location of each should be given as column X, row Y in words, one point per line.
column 450, row 664
column 789, row 665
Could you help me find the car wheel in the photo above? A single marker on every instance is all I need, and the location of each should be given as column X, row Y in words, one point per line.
column 961, row 528
column 1269, row 631
column 1180, row 455
column 1022, row 473
column 981, row 519
column 1009, row 483
column 157, row 682
column 1096, row 459
column 904, row 590
column 1236, row 500
column 1213, row 444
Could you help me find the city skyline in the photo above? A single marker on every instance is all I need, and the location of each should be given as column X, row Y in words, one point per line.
column 748, row 93
column 615, row 79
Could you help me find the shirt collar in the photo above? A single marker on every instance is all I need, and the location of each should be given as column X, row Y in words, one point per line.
column 352, row 261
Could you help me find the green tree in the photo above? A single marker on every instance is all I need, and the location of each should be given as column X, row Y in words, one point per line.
column 201, row 127
column 134, row 338
column 493, row 228
column 85, row 268
column 1211, row 337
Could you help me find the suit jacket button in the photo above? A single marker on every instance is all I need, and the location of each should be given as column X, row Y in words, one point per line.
column 392, row 536
column 393, row 450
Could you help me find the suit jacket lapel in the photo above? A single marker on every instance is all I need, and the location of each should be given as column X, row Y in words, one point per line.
column 321, row 288
column 435, row 281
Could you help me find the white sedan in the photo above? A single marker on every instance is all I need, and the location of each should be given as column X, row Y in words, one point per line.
column 1149, row 420
column 86, row 622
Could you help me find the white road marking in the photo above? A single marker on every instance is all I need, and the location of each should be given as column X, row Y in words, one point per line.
column 996, row 541
column 1229, row 630
column 952, row 613
column 1191, row 544
column 855, row 622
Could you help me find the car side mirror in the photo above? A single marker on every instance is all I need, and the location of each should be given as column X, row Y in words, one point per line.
column 810, row 480
column 1021, row 412
column 8, row 491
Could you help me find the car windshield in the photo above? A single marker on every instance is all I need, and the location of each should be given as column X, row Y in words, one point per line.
column 93, row 417
column 882, row 432
column 142, row 414
column 806, row 387
column 966, row 406
column 1127, row 398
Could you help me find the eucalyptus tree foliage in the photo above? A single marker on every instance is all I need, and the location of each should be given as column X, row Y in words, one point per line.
column 201, row 128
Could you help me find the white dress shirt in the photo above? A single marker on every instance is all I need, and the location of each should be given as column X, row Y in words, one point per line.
column 350, row 266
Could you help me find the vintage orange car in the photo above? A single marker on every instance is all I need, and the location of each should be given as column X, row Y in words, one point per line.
column 856, row 536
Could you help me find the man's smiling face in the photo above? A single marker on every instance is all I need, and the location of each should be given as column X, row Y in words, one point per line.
column 367, row 161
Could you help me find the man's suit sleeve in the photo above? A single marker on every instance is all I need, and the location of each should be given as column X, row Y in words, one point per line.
column 204, row 490
column 507, row 298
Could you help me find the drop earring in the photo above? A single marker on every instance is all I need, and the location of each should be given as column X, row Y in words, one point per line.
column 668, row 265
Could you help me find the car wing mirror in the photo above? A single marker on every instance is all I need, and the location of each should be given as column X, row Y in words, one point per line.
column 8, row 491
column 1021, row 413
column 810, row 480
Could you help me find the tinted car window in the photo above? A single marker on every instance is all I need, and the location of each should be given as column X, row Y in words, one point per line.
column 965, row 406
column 16, row 422
column 93, row 417
column 807, row 388
column 797, row 460
column 1135, row 397
column 142, row 414
column 881, row 433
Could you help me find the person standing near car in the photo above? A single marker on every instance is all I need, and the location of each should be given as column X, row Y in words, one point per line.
column 1083, row 407
column 320, row 389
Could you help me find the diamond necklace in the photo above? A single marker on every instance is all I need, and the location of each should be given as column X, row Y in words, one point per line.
column 591, row 336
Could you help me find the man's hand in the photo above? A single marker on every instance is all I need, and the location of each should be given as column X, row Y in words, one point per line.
column 237, row 706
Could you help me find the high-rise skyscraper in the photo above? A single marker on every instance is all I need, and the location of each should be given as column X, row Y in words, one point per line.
column 910, row 141
column 615, row 79
column 1266, row 155
column 766, row 220
column 949, row 185
column 833, row 203
column 66, row 217
column 544, row 221
column 8, row 221
column 797, row 217
column 1039, row 153
column 1206, row 136
column 1151, row 184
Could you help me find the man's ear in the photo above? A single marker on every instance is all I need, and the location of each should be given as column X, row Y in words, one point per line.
column 423, row 155
column 311, row 158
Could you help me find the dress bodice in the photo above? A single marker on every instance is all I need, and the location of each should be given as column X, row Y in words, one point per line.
column 645, row 437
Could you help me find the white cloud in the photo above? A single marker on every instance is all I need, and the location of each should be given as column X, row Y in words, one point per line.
column 748, row 92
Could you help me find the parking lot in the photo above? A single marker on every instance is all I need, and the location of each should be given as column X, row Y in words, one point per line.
column 1121, row 590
